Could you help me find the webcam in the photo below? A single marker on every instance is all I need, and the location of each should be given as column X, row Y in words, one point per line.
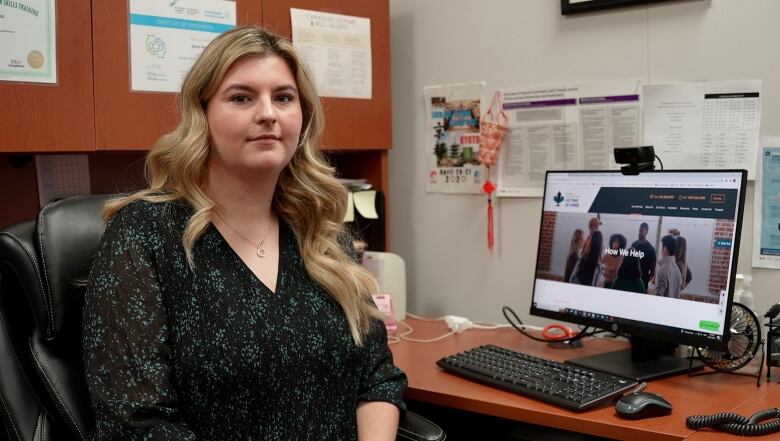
column 635, row 159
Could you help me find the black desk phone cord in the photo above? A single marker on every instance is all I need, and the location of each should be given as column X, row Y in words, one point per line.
column 737, row 424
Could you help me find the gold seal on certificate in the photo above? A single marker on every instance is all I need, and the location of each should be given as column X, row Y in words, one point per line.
column 35, row 59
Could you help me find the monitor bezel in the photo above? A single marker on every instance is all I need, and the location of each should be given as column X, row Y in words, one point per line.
column 645, row 329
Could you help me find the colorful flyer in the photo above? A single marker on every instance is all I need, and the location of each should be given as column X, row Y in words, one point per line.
column 166, row 37
column 29, row 48
column 452, row 138
column 766, row 228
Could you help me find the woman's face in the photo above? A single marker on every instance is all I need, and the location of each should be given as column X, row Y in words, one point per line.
column 255, row 117
column 615, row 245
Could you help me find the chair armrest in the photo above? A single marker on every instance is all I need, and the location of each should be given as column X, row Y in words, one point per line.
column 416, row 428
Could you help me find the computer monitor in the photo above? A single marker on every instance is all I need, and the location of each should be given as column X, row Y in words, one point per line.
column 653, row 256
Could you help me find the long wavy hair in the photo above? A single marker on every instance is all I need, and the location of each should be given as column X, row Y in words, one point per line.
column 589, row 263
column 307, row 195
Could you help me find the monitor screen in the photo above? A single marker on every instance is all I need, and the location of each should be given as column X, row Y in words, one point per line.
column 652, row 255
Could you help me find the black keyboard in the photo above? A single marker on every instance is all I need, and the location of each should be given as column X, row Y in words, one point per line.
column 557, row 383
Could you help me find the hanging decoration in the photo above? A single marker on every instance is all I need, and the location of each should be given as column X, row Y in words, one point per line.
column 493, row 126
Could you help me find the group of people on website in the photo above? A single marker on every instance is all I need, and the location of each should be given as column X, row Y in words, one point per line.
column 637, row 268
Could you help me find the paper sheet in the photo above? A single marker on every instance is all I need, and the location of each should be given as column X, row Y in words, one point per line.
column 365, row 204
column 29, row 48
column 565, row 127
column 166, row 37
column 61, row 176
column 349, row 216
column 338, row 49
column 704, row 125
column 766, row 206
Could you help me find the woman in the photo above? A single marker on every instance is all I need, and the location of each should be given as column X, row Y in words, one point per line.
column 629, row 275
column 593, row 225
column 611, row 261
column 588, row 270
column 222, row 303
column 682, row 263
column 574, row 253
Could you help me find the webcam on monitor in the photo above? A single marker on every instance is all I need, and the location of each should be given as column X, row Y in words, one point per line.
column 635, row 159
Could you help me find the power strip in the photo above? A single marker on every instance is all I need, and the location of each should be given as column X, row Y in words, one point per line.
column 457, row 323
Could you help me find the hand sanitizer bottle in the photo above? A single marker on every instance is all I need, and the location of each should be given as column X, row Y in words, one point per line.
column 742, row 292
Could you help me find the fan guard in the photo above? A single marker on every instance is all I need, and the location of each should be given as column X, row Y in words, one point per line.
column 742, row 345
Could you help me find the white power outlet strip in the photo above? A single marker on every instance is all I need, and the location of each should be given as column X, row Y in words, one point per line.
column 457, row 323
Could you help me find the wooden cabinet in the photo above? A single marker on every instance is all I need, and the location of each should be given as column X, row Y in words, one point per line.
column 37, row 117
column 357, row 131
column 92, row 108
column 352, row 123
column 126, row 120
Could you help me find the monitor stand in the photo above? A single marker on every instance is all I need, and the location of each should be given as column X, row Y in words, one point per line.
column 646, row 360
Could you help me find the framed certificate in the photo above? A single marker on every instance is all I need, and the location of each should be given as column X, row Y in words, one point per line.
column 577, row 6
column 29, row 47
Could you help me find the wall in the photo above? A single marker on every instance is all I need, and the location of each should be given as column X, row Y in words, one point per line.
column 528, row 42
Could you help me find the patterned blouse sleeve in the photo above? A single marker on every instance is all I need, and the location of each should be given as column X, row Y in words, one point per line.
column 381, row 380
column 126, row 355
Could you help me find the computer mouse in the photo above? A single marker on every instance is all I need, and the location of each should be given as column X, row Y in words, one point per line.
column 642, row 405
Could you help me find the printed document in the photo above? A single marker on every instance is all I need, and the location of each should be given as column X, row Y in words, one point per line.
column 565, row 127
column 704, row 125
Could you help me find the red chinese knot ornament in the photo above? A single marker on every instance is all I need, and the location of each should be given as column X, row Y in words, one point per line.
column 492, row 127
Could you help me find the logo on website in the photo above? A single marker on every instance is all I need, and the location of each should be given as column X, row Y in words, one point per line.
column 558, row 198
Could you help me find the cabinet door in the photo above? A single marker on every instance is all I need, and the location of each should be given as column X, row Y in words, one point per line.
column 351, row 123
column 126, row 120
column 38, row 117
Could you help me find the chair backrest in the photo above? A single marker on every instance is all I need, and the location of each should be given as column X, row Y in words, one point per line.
column 43, row 270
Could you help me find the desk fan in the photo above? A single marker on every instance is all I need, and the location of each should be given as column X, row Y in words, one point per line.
column 742, row 345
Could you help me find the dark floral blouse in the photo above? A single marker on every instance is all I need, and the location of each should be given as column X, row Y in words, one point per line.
column 175, row 354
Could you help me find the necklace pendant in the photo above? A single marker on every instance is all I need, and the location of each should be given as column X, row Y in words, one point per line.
column 260, row 251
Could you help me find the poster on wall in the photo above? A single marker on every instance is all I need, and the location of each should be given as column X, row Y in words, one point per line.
column 452, row 115
column 29, row 47
column 571, row 126
column 166, row 37
column 705, row 125
column 766, row 206
column 337, row 48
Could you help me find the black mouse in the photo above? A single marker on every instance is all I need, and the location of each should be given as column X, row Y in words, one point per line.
column 642, row 405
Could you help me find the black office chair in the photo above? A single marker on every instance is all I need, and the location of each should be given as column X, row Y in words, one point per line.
column 43, row 267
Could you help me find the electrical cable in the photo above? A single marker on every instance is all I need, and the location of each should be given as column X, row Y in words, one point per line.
column 737, row 424
column 519, row 326
column 404, row 335
column 659, row 161
column 425, row 319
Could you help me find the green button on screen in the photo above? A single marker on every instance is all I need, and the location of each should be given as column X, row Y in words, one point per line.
column 708, row 325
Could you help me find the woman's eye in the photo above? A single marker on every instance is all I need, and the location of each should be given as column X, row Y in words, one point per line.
column 240, row 99
column 285, row 98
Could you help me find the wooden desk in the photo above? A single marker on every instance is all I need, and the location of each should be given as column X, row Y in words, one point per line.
column 697, row 395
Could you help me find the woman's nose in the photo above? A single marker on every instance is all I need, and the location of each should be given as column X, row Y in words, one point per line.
column 265, row 111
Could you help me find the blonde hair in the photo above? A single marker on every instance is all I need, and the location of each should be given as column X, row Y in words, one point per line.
column 307, row 194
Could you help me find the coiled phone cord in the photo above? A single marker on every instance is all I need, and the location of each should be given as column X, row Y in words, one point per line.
column 737, row 424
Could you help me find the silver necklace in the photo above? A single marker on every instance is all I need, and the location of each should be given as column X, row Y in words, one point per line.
column 259, row 250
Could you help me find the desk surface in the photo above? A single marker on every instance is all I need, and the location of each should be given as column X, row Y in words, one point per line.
column 690, row 395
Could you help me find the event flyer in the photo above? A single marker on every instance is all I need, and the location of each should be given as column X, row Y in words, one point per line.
column 452, row 138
